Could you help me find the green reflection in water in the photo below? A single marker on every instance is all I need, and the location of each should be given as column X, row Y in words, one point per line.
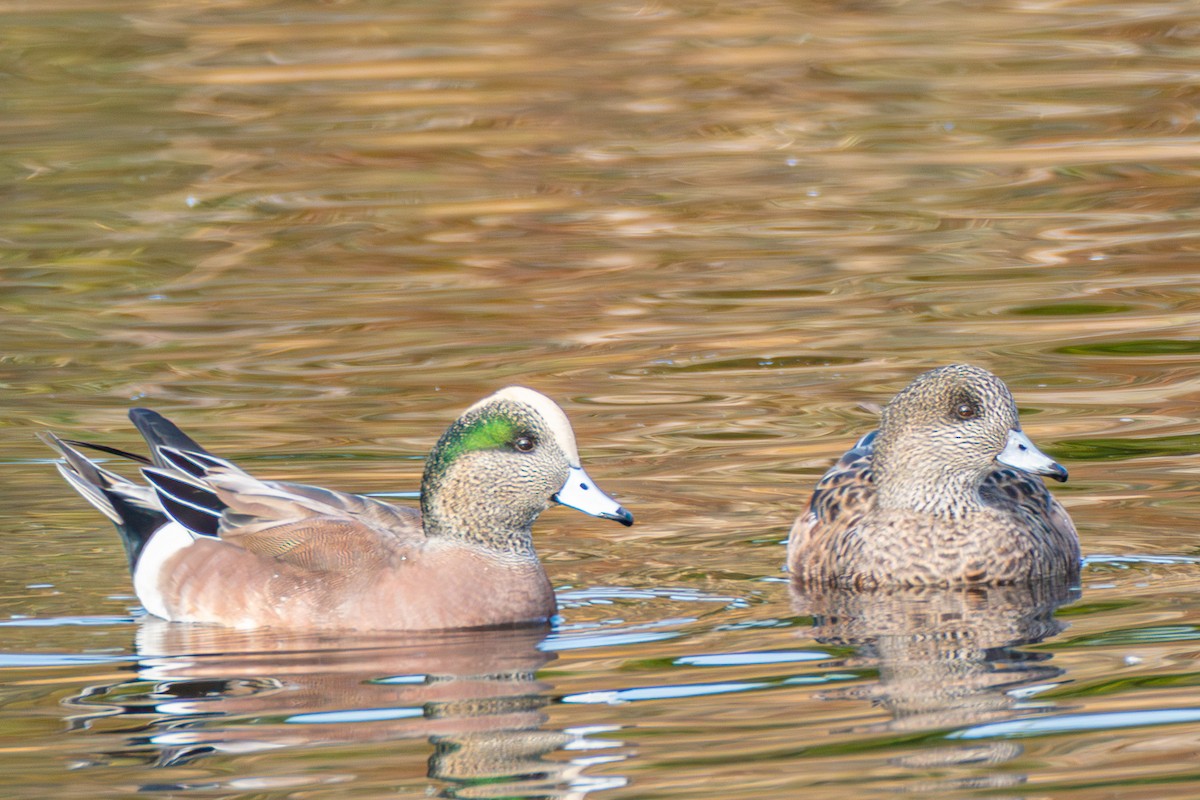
column 1136, row 347
column 1070, row 309
column 1122, row 685
column 1125, row 449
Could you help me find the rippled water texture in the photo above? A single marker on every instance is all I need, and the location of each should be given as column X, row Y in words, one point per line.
column 721, row 235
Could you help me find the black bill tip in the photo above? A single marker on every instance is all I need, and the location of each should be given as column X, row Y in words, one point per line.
column 622, row 516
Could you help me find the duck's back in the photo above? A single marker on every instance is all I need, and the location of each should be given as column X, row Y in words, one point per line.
column 844, row 538
column 826, row 539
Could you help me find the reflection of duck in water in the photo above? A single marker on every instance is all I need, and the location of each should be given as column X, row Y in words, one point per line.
column 943, row 493
column 946, row 655
column 207, row 542
column 207, row 691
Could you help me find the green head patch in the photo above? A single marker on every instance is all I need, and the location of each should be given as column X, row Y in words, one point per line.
column 489, row 430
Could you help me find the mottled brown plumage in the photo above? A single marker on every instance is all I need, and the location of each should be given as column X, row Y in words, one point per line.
column 930, row 498
column 211, row 543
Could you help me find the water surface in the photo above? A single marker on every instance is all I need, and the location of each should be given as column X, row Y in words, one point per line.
column 720, row 236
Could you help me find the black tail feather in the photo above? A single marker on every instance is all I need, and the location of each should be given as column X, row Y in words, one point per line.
column 112, row 451
column 190, row 462
column 139, row 511
column 158, row 431
column 195, row 507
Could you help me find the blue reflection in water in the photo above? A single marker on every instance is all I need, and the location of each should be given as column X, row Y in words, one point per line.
column 1079, row 722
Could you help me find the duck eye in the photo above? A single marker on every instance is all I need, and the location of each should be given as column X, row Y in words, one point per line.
column 524, row 443
column 965, row 410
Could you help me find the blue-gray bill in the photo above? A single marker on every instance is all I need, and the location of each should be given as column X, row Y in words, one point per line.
column 1021, row 453
column 580, row 492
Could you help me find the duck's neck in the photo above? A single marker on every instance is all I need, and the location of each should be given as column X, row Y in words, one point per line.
column 916, row 484
column 456, row 506
column 504, row 540
column 953, row 498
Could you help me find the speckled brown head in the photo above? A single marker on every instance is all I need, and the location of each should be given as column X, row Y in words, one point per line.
column 943, row 434
column 500, row 465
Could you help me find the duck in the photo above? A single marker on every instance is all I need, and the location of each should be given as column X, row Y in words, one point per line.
column 945, row 492
column 209, row 543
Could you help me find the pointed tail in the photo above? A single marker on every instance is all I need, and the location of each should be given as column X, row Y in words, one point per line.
column 159, row 432
column 132, row 508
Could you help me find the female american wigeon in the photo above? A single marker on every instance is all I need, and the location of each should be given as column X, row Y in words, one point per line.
column 209, row 543
column 942, row 494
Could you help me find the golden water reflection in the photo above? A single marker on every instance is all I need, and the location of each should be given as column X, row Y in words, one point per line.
column 947, row 659
column 314, row 233
column 201, row 693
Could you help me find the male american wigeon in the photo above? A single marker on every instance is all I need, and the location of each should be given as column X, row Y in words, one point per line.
column 943, row 493
column 209, row 543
